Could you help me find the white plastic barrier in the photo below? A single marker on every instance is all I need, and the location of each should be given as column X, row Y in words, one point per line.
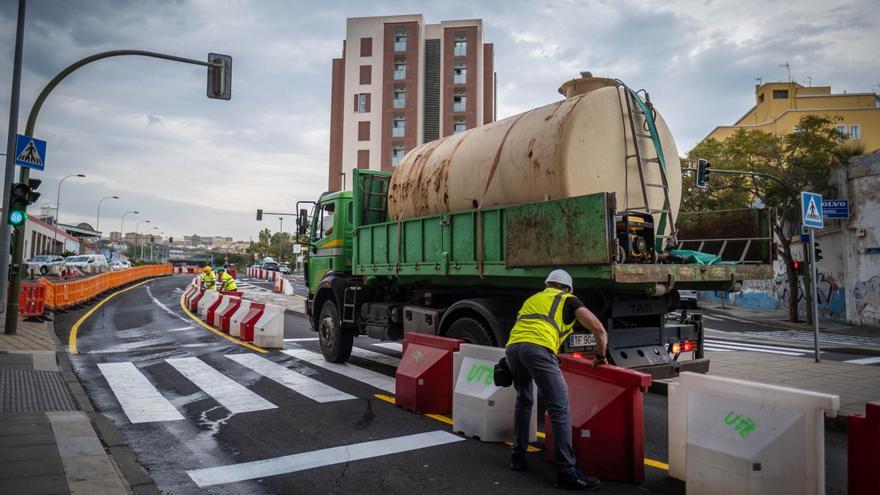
column 235, row 321
column 188, row 293
column 729, row 436
column 269, row 329
column 479, row 408
column 219, row 311
column 206, row 302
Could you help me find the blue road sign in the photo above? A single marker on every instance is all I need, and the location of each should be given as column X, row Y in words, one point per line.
column 30, row 152
column 811, row 210
column 835, row 208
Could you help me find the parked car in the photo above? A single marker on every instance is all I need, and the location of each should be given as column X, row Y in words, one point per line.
column 120, row 265
column 98, row 261
column 271, row 266
column 44, row 263
column 687, row 299
column 284, row 268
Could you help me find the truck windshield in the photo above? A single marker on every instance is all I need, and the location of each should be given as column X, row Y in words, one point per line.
column 325, row 221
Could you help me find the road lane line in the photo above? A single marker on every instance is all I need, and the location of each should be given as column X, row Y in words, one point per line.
column 749, row 349
column 319, row 458
column 709, row 347
column 164, row 308
column 370, row 377
column 299, row 383
column 71, row 340
column 445, row 419
column 869, row 360
column 218, row 332
column 230, row 394
column 375, row 356
column 305, row 339
column 757, row 346
column 140, row 400
column 394, row 346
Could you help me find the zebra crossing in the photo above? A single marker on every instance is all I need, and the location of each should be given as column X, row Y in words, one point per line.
column 142, row 401
column 244, row 284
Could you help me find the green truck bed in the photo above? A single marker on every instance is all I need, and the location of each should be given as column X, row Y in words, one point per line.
column 503, row 245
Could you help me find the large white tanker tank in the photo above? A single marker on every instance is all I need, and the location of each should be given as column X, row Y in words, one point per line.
column 580, row 145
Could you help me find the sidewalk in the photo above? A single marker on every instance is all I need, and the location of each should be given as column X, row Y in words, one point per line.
column 780, row 320
column 51, row 439
column 292, row 303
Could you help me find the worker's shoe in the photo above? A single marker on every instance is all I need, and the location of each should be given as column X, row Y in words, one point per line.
column 574, row 479
column 518, row 462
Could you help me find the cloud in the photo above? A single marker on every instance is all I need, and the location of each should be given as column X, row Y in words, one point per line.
column 143, row 129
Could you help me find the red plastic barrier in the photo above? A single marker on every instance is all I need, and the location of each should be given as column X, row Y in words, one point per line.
column 194, row 300
column 607, row 419
column 249, row 320
column 226, row 314
column 209, row 315
column 863, row 451
column 31, row 299
column 424, row 376
column 232, row 272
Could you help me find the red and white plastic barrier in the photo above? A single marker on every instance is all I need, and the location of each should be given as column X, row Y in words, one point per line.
column 235, row 322
column 269, row 329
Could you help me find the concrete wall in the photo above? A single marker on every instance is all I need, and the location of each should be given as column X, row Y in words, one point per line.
column 848, row 276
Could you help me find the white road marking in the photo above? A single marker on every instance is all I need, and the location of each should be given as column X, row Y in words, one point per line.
column 869, row 360
column 370, row 377
column 750, row 349
column 318, row 458
column 757, row 346
column 394, row 346
column 138, row 397
column 164, row 308
column 712, row 318
column 309, row 387
column 180, row 329
column 230, row 394
column 375, row 356
column 304, row 339
column 708, row 347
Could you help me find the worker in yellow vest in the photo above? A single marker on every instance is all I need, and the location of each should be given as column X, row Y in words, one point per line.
column 226, row 281
column 543, row 324
column 209, row 281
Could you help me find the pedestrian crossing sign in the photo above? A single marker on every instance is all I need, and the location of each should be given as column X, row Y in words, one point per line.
column 30, row 152
column 811, row 210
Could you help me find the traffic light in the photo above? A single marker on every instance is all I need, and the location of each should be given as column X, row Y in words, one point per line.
column 21, row 196
column 259, row 215
column 219, row 76
column 818, row 252
column 702, row 178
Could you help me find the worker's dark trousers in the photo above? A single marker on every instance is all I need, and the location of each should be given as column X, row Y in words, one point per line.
column 530, row 362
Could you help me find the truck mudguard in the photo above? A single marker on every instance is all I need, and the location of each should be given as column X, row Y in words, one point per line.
column 499, row 313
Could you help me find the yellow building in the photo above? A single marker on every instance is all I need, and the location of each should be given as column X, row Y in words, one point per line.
column 779, row 106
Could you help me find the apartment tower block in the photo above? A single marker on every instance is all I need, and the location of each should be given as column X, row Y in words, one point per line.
column 401, row 83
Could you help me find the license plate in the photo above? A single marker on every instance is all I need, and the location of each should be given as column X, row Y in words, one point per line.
column 581, row 340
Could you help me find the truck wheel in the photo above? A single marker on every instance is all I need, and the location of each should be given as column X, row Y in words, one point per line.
column 336, row 342
column 44, row 270
column 471, row 330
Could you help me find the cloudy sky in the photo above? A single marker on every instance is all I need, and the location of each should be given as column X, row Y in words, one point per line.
column 142, row 129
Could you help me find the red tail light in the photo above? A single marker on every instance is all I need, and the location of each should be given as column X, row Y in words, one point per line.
column 579, row 355
column 685, row 346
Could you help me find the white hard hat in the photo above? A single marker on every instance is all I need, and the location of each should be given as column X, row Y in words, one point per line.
column 560, row 277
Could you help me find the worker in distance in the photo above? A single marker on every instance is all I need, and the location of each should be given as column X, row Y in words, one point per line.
column 543, row 324
column 209, row 281
column 225, row 280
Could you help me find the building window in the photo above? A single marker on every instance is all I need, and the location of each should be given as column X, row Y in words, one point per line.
column 841, row 128
column 362, row 102
column 780, row 94
column 398, row 125
column 363, row 159
column 366, row 47
column 364, row 131
column 459, row 101
column 459, row 73
column 366, row 74
column 398, row 97
column 396, row 154
column 400, row 39
column 399, row 68
column 459, row 48
column 855, row 131
column 459, row 125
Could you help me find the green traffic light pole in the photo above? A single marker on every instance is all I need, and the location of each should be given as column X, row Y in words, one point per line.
column 24, row 175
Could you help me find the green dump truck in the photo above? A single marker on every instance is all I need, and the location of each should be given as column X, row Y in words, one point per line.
column 374, row 268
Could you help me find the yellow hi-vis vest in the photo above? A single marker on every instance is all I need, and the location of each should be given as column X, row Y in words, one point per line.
column 540, row 321
column 209, row 280
column 227, row 282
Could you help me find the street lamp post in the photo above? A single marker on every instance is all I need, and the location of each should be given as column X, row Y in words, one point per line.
column 151, row 245
column 281, row 224
column 122, row 224
column 137, row 235
column 98, row 218
column 58, row 210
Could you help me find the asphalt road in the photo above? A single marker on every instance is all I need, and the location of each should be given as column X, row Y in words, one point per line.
column 191, row 400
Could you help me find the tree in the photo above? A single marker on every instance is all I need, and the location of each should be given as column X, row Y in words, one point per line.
column 803, row 160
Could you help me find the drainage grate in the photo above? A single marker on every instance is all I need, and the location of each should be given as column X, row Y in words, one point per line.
column 33, row 391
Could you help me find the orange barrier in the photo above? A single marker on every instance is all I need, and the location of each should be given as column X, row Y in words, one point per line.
column 67, row 294
column 31, row 299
